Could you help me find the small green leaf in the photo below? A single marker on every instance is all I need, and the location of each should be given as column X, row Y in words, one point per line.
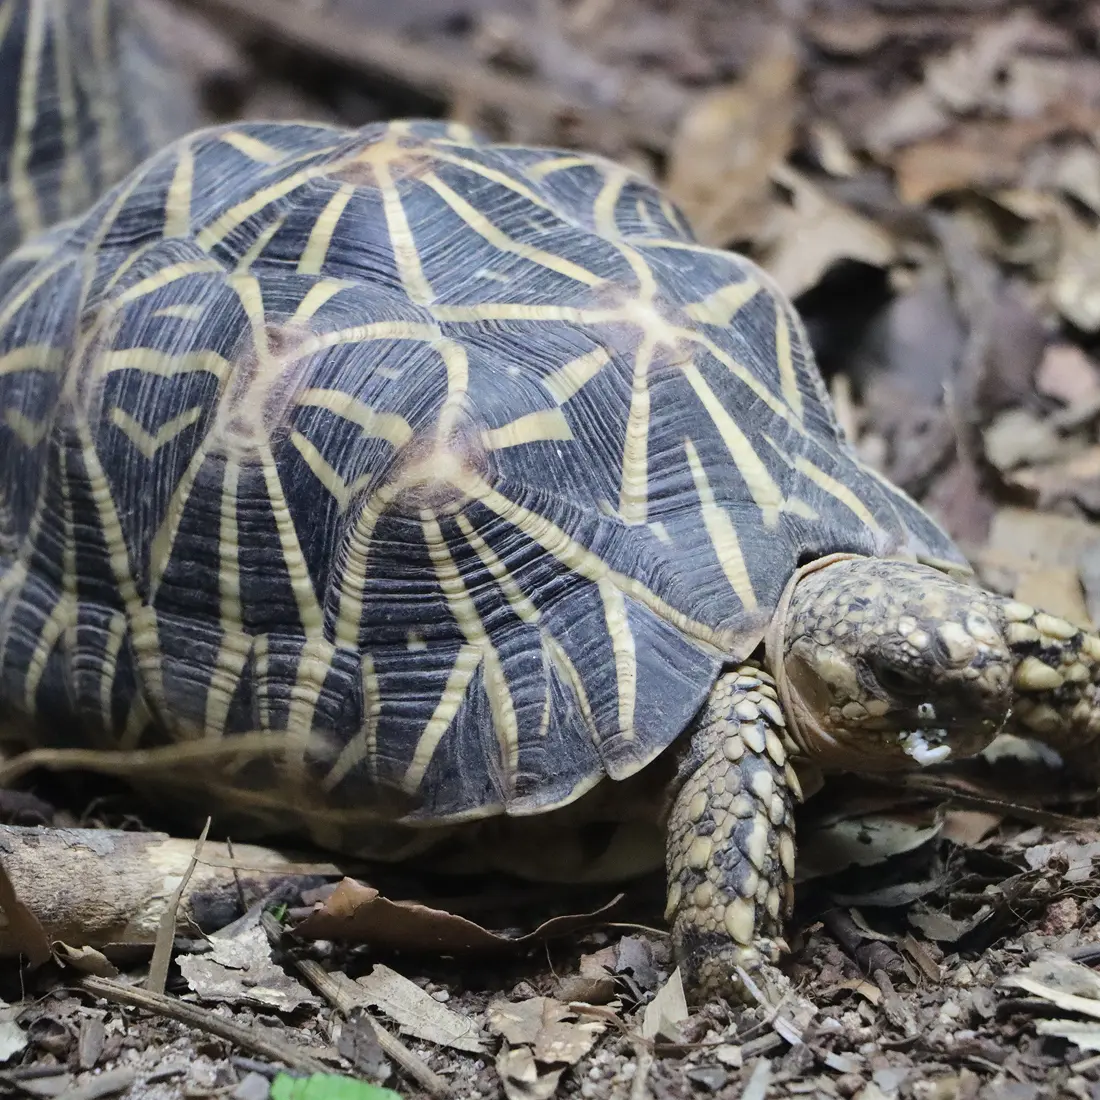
column 326, row 1086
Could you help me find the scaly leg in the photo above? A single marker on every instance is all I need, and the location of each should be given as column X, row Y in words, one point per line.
column 730, row 855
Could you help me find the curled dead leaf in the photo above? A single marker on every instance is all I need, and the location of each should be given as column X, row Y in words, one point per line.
column 357, row 913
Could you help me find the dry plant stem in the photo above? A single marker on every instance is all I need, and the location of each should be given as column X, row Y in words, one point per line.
column 166, row 931
column 428, row 70
column 194, row 1016
column 342, row 993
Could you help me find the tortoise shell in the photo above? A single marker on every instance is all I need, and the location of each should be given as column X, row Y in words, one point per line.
column 86, row 93
column 461, row 467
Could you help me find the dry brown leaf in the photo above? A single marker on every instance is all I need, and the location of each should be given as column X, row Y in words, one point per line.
column 1017, row 436
column 357, row 913
column 727, row 145
column 1067, row 985
column 1075, row 289
column 417, row 1012
column 970, row 76
column 239, row 969
column 553, row 1031
column 595, row 981
column 522, row 1078
column 1067, row 374
column 803, row 240
column 87, row 960
column 667, row 1011
column 969, row 827
column 1079, row 1032
column 863, row 840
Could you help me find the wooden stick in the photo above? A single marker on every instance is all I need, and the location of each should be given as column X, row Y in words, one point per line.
column 435, row 73
column 267, row 1046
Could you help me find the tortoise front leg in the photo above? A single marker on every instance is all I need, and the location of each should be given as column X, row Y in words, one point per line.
column 730, row 855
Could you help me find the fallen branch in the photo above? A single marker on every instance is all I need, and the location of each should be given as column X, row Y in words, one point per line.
column 266, row 1045
column 104, row 888
column 429, row 71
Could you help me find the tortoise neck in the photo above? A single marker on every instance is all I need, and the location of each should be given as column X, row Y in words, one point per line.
column 1056, row 678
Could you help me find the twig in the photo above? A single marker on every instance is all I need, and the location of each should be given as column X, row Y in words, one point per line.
column 166, row 930
column 289, row 1054
column 102, row 1084
column 643, row 1063
column 440, row 75
column 344, row 995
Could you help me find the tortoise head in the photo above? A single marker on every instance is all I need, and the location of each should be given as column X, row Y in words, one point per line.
column 887, row 665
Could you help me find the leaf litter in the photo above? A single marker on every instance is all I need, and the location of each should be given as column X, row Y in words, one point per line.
column 924, row 178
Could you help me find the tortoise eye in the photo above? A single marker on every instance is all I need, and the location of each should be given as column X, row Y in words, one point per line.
column 896, row 681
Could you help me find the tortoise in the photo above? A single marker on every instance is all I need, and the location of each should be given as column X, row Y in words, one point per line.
column 395, row 488
column 87, row 91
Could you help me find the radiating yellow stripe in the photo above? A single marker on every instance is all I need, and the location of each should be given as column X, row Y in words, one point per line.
column 320, row 468
column 391, row 427
column 177, row 204
column 263, row 239
column 547, row 167
column 148, row 443
column 568, row 672
column 309, row 610
column 166, row 276
column 401, row 239
column 497, row 690
column 377, row 330
column 834, row 488
column 745, row 377
column 572, row 376
column 761, row 485
column 481, row 225
column 143, row 630
column 364, row 745
column 634, row 483
column 320, row 236
column 181, row 313
column 29, row 432
column 724, row 304
column 462, row 672
column 577, row 558
column 162, row 363
column 62, row 615
column 160, row 549
column 20, row 185
column 32, row 357
column 74, row 190
column 250, row 294
column 216, row 232
column 108, row 670
column 108, row 100
column 535, row 427
column 316, row 297
column 457, row 364
column 788, row 380
column 607, row 201
column 519, row 603
column 722, row 532
column 252, row 147
column 234, row 647
column 353, row 577
column 625, row 654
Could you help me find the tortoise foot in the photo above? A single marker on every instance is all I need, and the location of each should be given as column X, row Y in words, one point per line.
column 730, row 855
